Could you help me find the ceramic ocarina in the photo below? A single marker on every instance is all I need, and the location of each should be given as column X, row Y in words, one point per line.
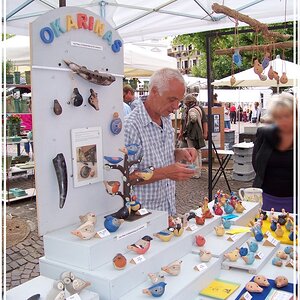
column 57, row 292
column 253, row 287
column 93, row 99
column 288, row 249
column 220, row 231
column 116, row 124
column 205, row 255
column 164, row 236
column 233, row 255
column 135, row 205
column 226, row 223
column 156, row 290
column 243, row 251
column 283, row 79
column 261, row 280
column 218, row 210
column 173, row 268
column 119, row 261
column 276, row 76
column 200, row 220
column 239, row 208
column 249, row 258
column 289, row 224
column 253, row 246
column 88, row 217
column 266, row 60
column 57, row 107
column 208, row 215
column 228, row 208
column 237, row 58
column 281, row 281
column 141, row 246
column 281, row 254
column 273, row 225
column 277, row 262
column 178, row 230
column 271, row 73
column 279, row 231
column 76, row 98
column 145, row 174
column 112, row 224
column 112, row 187
column 74, row 285
column 86, row 231
column 263, row 77
column 156, row 277
column 200, row 240
column 232, row 80
column 257, row 67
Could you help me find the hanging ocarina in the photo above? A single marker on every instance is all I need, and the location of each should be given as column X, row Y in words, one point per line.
column 283, row 79
column 266, row 60
column 232, row 80
column 263, row 77
column 276, row 76
column 237, row 58
column 57, row 108
column 76, row 98
column 271, row 73
column 257, row 67
column 116, row 124
column 93, row 99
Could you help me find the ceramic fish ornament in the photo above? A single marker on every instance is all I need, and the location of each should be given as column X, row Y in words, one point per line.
column 86, row 231
column 57, row 292
column 232, row 80
column 112, row 224
column 226, row 223
column 123, row 213
column 141, row 246
column 173, row 269
column 237, row 58
column 156, row 290
column 277, row 262
column 113, row 160
column 76, row 98
column 145, row 174
column 57, row 107
column 200, row 240
column 233, row 255
column 281, row 281
column 243, row 251
column 257, row 67
column 74, row 285
column 283, row 79
column 199, row 220
column 281, row 254
column 253, row 246
column 239, row 208
column 164, row 235
column 249, row 258
column 156, row 277
column 220, row 230
column 116, row 124
column 205, row 255
column 279, row 231
column 253, row 287
column 93, row 99
column 261, row 280
column 112, row 187
column 60, row 167
column 266, row 60
column 119, row 261
column 88, row 217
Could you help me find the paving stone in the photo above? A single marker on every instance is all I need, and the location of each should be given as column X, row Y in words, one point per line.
column 29, row 266
column 15, row 283
column 15, row 277
column 22, row 268
column 27, row 271
column 30, row 249
column 8, row 274
column 26, row 243
column 15, row 249
column 15, row 256
column 23, row 280
column 16, row 272
column 9, row 251
column 36, row 246
column 31, row 259
column 36, row 269
column 8, row 268
column 40, row 250
column 23, row 252
column 14, row 265
column 36, row 255
column 41, row 243
column 20, row 246
column 34, row 274
column 35, row 238
column 8, row 259
column 26, row 276
column 21, row 261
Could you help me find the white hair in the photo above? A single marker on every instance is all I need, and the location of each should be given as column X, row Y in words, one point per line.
column 283, row 100
column 161, row 79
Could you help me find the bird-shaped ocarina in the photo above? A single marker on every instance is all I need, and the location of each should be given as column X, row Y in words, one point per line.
column 249, row 258
column 283, row 79
column 228, row 208
column 279, row 231
column 289, row 224
column 205, row 255
column 86, row 231
column 253, row 287
column 156, row 277
column 173, row 268
column 232, row 80
column 145, row 174
column 141, row 246
column 178, row 230
column 273, row 225
column 266, row 60
column 239, row 208
column 237, row 58
column 271, row 73
column 200, row 220
column 135, row 205
column 288, row 249
column 218, row 209
column 73, row 284
column 200, row 240
column 261, row 280
column 123, row 213
column 281, row 254
column 292, row 235
column 119, row 261
column 57, row 107
column 113, row 159
column 112, row 224
column 164, row 235
column 281, row 281
column 233, row 255
column 76, row 98
column 243, row 251
column 220, row 230
column 253, row 246
column 132, row 149
column 276, row 261
column 112, row 187
column 88, row 217
column 226, row 223
column 93, row 99
column 57, row 292
column 156, row 290
column 257, row 67
column 258, row 235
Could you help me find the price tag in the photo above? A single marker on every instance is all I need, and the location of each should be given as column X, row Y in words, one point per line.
column 233, row 238
column 200, row 267
column 74, row 297
column 272, row 240
column 138, row 259
column 259, row 255
column 247, row 296
column 268, row 233
column 192, row 227
column 142, row 211
column 103, row 233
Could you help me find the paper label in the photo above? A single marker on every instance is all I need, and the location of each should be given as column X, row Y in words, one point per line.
column 193, row 227
column 247, row 296
column 85, row 45
column 103, row 233
column 268, row 233
column 292, row 263
column 143, row 211
column 201, row 267
column 233, row 237
column 259, row 255
column 139, row 259
column 74, row 297
column 272, row 240
column 132, row 231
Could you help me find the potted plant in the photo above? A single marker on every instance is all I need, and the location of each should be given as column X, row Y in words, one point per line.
column 13, row 125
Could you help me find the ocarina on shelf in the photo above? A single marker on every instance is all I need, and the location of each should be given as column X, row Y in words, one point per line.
column 156, row 290
column 228, row 208
column 220, row 230
column 253, row 287
column 200, row 240
column 261, row 280
column 276, row 261
column 288, row 249
column 141, row 246
column 57, row 107
column 57, row 292
column 200, row 220
column 205, row 255
column 253, row 246
column 88, row 217
column 164, row 235
column 279, row 231
column 281, row 254
column 218, row 209
column 289, row 224
column 119, row 261
column 178, row 230
column 243, row 251
column 156, row 277
column 93, row 99
column 226, row 223
column 173, row 268
column 112, row 224
column 116, row 124
column 281, row 281
column 273, row 225
column 249, row 258
column 86, row 231
column 239, row 208
column 74, row 285
column 135, row 205
column 233, row 255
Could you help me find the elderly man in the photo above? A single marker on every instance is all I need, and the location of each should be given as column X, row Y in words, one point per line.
column 149, row 125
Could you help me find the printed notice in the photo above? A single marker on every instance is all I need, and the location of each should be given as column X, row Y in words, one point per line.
column 85, row 45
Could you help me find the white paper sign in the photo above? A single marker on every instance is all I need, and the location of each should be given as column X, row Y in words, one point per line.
column 143, row 211
column 259, row 255
column 233, row 238
column 74, row 297
column 192, row 227
column 139, row 259
column 247, row 296
column 132, row 231
column 272, row 240
column 268, row 233
column 201, row 267
column 103, row 233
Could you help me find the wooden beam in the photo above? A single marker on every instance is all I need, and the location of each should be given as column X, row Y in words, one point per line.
column 268, row 47
column 256, row 25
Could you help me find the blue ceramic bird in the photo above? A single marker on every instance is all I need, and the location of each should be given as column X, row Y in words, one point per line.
column 132, row 149
column 228, row 208
column 112, row 224
column 288, row 249
column 257, row 234
column 266, row 60
column 226, row 224
column 292, row 235
column 243, row 251
column 289, row 224
column 156, row 290
column 249, row 258
column 113, row 160
column 273, row 225
column 237, row 58
column 253, row 246
column 135, row 204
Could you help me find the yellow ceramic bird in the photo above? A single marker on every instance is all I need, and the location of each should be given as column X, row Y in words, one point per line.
column 220, row 230
column 233, row 255
column 205, row 207
column 239, row 208
column 164, row 235
column 279, row 231
column 145, row 174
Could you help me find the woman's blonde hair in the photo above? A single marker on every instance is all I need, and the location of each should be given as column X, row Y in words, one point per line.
column 190, row 99
column 283, row 100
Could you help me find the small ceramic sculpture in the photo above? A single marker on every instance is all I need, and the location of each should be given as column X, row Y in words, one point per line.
column 93, row 99
column 288, row 249
column 200, row 240
column 237, row 58
column 178, row 230
column 173, row 268
column 57, row 292
column 218, row 210
column 283, row 79
column 205, row 255
column 277, row 262
column 112, row 187
column 164, row 236
column 292, row 235
column 228, row 208
column 119, row 261
column 273, row 225
column 123, row 213
column 271, row 73
column 249, row 258
column 156, row 290
column 253, row 246
column 60, row 167
column 85, row 231
column 289, row 224
column 263, row 77
column 232, row 80
column 281, row 281
column 112, row 224
column 279, row 231
column 76, row 98
column 243, row 251
column 88, row 217
column 266, row 60
column 257, row 67
column 156, row 277
column 261, row 280
column 281, row 219
column 116, row 124
column 57, row 107
column 271, row 215
column 233, row 255
column 200, row 220
column 253, row 287
column 145, row 174
column 239, row 208
column 113, row 160
column 74, row 285
column 220, row 231
column 281, row 254
column 141, row 246
column 226, row 223
column 258, row 235
column 135, row 205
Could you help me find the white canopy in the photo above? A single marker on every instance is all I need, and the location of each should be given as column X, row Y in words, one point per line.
column 195, row 81
column 139, row 20
column 249, row 78
column 137, row 60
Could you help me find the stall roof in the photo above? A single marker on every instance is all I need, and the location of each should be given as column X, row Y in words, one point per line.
column 138, row 20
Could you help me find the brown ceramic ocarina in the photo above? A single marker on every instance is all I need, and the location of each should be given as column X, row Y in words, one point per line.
column 57, row 108
column 232, row 80
column 271, row 73
column 281, row 281
column 283, row 79
column 261, row 280
column 258, row 69
column 253, row 287
column 93, row 99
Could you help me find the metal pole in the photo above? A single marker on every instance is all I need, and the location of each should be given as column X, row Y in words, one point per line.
column 209, row 113
column 62, row 3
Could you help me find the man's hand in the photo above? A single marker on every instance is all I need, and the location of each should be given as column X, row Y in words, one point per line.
column 187, row 154
column 178, row 171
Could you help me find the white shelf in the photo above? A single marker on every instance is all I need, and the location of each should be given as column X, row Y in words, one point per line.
column 30, row 193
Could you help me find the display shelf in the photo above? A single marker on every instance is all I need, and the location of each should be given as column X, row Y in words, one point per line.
column 267, row 253
column 41, row 285
column 30, row 193
column 184, row 286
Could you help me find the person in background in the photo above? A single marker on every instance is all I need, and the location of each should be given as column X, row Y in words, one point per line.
column 245, row 116
column 240, row 113
column 250, row 115
column 215, row 100
column 26, row 124
column 255, row 113
column 232, row 113
column 128, row 97
column 127, row 109
column 226, row 116
column 273, row 156
column 194, row 129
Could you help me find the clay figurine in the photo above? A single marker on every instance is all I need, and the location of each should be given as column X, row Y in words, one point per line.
column 266, row 60
column 178, row 230
column 228, row 208
column 62, row 177
column 116, row 124
column 112, row 224
column 164, row 236
column 135, row 205
column 237, row 58
column 289, row 224
column 205, row 255
column 92, row 76
column 273, row 225
column 112, row 187
column 113, row 160
column 218, row 210
column 281, row 219
column 57, row 292
column 292, row 235
column 93, row 99
column 281, row 281
column 281, row 254
column 258, row 235
column 74, row 285
column 141, row 246
column 200, row 220
column 271, row 215
column 249, row 258
column 173, row 268
column 88, row 217
column 253, row 287
column 220, row 231
column 233, row 255
column 156, row 290
column 288, row 249
column 76, row 98
column 261, row 280
column 232, row 80
column 226, row 223
column 239, row 208
column 200, row 240
column 276, row 76
column 253, row 246
column 145, row 174
column 277, row 262
column 271, row 73
column 257, row 67
column 156, row 277
column 283, row 79
column 279, row 231
column 123, row 213
column 57, row 107
column 86, row 231
column 243, row 251
column 263, row 77
column 119, row 261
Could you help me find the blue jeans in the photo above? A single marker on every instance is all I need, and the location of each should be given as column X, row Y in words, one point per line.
column 227, row 124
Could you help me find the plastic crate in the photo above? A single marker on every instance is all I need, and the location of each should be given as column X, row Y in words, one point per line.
column 242, row 168
column 242, row 158
column 243, row 177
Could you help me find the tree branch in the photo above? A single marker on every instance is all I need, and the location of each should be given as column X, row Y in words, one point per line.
column 116, row 167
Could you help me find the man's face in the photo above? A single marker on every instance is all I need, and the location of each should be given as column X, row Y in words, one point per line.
column 168, row 101
column 128, row 97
